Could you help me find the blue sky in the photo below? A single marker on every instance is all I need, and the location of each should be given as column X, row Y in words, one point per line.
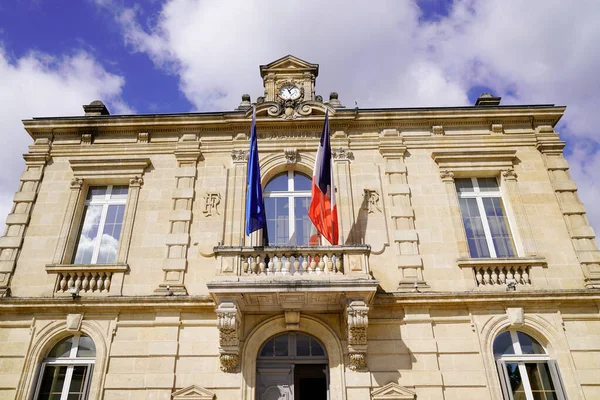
column 186, row 55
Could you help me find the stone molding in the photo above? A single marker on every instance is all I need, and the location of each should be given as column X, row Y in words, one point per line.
column 393, row 391
column 104, row 167
column 464, row 162
column 193, row 392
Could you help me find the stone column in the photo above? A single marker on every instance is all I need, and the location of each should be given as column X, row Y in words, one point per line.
column 357, row 321
column 178, row 238
column 582, row 234
column 341, row 157
column 236, row 199
column 405, row 236
column 18, row 219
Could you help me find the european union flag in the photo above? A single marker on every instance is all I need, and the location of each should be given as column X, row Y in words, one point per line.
column 255, row 205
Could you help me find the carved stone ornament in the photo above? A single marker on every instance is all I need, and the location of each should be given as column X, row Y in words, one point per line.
column 291, row 155
column 358, row 320
column 86, row 138
column 74, row 322
column 136, row 181
column 342, row 154
column 372, row 199
column 229, row 362
column 447, row 176
column 239, row 155
column 357, row 361
column 211, row 204
column 143, row 137
column 509, row 174
column 437, row 129
column 76, row 183
column 497, row 128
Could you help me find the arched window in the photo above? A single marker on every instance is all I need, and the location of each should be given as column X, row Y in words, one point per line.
column 526, row 371
column 287, row 198
column 66, row 371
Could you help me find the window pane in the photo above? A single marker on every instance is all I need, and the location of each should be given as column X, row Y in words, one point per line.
column 119, row 192
column 540, row 380
column 267, row 350
column 278, row 184
column 77, row 386
column 487, row 184
column 89, row 232
column 86, row 347
column 302, row 182
column 277, row 220
column 52, row 382
column 498, row 222
column 529, row 345
column 96, row 193
column 111, row 234
column 503, row 344
column 302, row 345
column 478, row 246
column 516, row 382
column 315, row 348
column 464, row 185
column 281, row 345
column 62, row 349
column 304, row 227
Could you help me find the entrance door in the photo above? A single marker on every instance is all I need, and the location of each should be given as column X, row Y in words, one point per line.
column 292, row 366
column 275, row 383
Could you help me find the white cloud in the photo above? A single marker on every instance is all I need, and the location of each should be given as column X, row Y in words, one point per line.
column 379, row 54
column 40, row 84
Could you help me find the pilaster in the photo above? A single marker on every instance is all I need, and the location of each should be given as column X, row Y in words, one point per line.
column 178, row 237
column 408, row 259
column 342, row 157
column 18, row 219
column 234, row 230
column 582, row 234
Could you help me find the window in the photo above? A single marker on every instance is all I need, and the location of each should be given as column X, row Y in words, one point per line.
column 484, row 217
column 295, row 345
column 287, row 198
column 526, row 371
column 102, row 221
column 65, row 374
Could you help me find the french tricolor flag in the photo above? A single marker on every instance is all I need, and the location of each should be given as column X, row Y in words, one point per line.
column 323, row 210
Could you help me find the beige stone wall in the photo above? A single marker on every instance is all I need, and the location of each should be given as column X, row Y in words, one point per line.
column 437, row 351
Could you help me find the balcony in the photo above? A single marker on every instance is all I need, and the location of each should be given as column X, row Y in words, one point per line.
column 505, row 273
column 317, row 278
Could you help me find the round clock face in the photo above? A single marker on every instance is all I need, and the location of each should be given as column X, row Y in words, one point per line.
column 289, row 92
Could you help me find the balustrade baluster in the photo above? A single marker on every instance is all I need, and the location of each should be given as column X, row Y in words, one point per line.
column 107, row 281
column 63, row 282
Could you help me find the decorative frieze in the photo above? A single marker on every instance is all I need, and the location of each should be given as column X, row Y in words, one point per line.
column 342, row 154
column 143, row 137
column 239, row 155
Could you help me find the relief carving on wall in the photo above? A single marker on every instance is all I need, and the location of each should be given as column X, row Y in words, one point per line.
column 342, row 154
column 228, row 325
column 291, row 155
column 239, row 155
column 372, row 199
column 211, row 204
column 357, row 322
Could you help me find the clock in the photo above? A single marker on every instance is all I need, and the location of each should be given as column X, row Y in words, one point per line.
column 289, row 92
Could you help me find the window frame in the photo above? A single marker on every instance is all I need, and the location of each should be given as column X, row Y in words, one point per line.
column 105, row 203
column 70, row 362
column 479, row 195
column 290, row 194
column 521, row 359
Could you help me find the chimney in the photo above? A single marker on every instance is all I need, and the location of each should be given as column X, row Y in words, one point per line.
column 95, row 108
column 486, row 99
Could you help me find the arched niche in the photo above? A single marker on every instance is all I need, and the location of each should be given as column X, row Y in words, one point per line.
column 309, row 326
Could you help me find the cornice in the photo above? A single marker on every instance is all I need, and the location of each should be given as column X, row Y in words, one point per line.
column 345, row 119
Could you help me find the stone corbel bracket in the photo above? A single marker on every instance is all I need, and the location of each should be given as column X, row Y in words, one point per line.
column 228, row 323
column 357, row 321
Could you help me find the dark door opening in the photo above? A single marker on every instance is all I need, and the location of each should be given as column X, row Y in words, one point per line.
column 310, row 382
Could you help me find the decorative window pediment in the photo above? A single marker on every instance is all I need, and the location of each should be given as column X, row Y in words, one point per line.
column 467, row 161
column 393, row 391
column 193, row 392
column 109, row 167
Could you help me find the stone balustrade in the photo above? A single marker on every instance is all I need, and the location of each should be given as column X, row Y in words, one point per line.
column 87, row 280
column 502, row 275
column 306, row 262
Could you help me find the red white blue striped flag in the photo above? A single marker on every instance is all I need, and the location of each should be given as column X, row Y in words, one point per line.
column 323, row 210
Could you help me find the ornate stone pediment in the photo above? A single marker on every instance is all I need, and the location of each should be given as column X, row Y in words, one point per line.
column 193, row 393
column 289, row 64
column 393, row 391
column 290, row 109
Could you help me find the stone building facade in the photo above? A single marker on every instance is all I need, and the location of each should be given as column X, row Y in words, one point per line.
column 466, row 267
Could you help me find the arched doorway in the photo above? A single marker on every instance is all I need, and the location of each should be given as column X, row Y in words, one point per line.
column 292, row 366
